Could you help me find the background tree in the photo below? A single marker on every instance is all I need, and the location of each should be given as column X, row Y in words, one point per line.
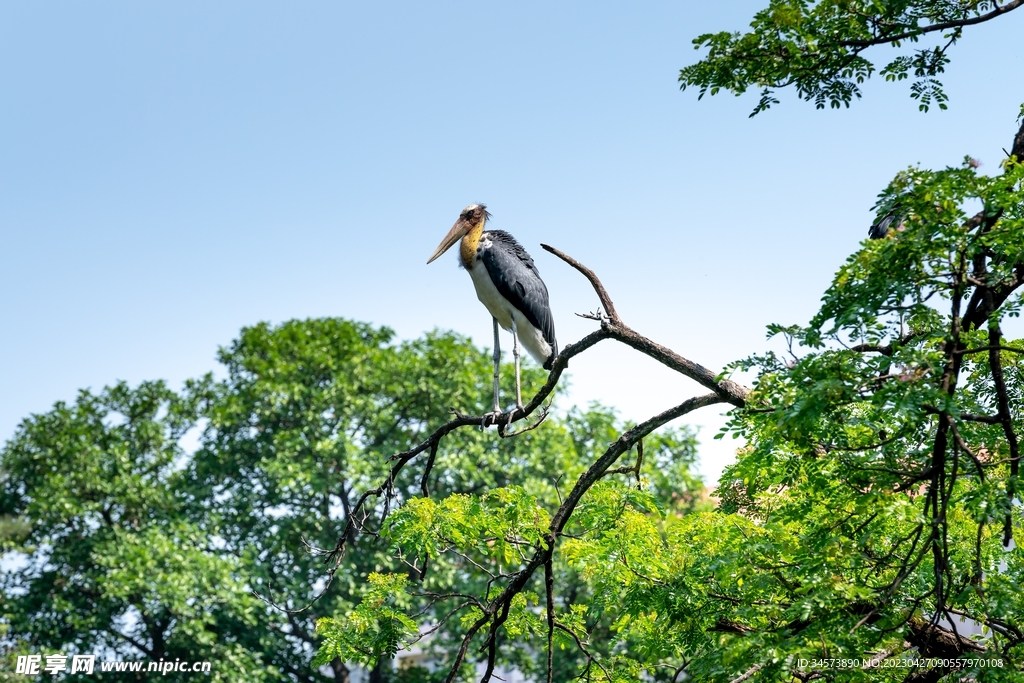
column 875, row 504
column 106, row 559
column 123, row 544
column 872, row 509
column 307, row 420
column 868, row 512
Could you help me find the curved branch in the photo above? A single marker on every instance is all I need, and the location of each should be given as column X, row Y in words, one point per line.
column 602, row 293
column 729, row 391
column 432, row 441
column 620, row 446
column 499, row 605
column 942, row 26
column 612, row 328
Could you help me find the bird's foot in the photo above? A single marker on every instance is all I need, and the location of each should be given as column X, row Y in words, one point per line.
column 490, row 418
column 518, row 410
column 503, row 429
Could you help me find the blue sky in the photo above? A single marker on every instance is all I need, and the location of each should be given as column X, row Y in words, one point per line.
column 171, row 172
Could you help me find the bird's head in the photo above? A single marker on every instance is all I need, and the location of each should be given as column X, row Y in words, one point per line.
column 473, row 216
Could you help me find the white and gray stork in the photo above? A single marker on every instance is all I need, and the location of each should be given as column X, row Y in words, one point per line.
column 508, row 285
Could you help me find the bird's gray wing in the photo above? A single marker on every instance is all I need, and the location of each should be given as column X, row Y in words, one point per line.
column 514, row 274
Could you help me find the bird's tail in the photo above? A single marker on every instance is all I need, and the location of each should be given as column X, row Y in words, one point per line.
column 551, row 359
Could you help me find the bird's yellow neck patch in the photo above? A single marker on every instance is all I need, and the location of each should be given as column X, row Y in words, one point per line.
column 467, row 249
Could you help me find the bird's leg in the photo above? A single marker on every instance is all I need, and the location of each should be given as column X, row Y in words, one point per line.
column 515, row 355
column 497, row 376
column 497, row 366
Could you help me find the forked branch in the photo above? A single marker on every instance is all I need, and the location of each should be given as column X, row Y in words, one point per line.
column 729, row 391
column 611, row 328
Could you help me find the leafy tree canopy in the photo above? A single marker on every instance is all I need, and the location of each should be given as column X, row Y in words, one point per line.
column 120, row 542
column 820, row 47
column 868, row 519
column 106, row 558
column 871, row 517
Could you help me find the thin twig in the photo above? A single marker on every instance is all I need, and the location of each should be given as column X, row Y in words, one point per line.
column 730, row 391
column 750, row 672
column 583, row 648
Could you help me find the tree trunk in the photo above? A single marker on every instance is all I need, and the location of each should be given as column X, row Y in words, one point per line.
column 377, row 673
column 340, row 670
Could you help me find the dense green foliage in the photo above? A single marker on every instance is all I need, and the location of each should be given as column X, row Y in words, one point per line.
column 818, row 47
column 106, row 557
column 870, row 517
column 882, row 465
column 867, row 518
column 479, row 541
column 120, row 542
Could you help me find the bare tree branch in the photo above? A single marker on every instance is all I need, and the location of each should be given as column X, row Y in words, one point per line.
column 613, row 328
column 730, row 391
column 602, row 293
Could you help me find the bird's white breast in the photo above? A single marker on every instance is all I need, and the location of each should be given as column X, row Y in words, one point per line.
column 489, row 296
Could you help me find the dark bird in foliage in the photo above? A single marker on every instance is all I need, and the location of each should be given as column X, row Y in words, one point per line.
column 892, row 220
column 508, row 285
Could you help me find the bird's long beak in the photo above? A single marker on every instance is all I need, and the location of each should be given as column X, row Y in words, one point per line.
column 457, row 232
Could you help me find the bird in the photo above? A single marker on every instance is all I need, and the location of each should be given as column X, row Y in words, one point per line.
column 508, row 284
column 881, row 229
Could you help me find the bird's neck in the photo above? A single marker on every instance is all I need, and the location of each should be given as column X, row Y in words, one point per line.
column 467, row 249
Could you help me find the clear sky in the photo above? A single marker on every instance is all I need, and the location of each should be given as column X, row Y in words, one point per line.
column 171, row 172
